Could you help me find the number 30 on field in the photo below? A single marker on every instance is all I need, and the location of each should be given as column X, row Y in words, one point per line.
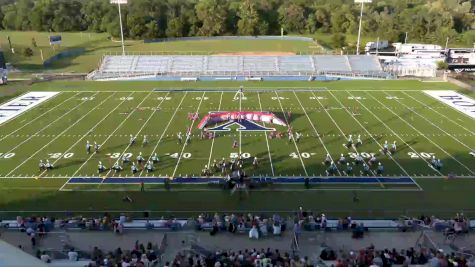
column 60, row 155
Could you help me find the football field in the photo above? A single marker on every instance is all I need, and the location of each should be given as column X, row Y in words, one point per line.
column 58, row 130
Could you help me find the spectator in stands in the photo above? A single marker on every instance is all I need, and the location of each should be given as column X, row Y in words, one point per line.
column 33, row 239
column 72, row 255
column 45, row 257
column 358, row 231
column 253, row 233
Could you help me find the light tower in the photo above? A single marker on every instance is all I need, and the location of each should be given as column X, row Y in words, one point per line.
column 361, row 19
column 120, row 2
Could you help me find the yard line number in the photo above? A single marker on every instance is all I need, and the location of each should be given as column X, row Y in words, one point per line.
column 185, row 155
column 164, row 98
column 234, row 155
column 6, row 155
column 365, row 155
column 425, row 155
column 279, row 98
column 87, row 98
column 128, row 98
column 304, row 155
column 60, row 155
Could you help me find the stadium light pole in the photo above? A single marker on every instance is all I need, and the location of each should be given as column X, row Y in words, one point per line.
column 119, row 2
column 361, row 19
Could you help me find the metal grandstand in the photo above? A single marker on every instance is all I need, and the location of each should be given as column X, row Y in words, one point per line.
column 176, row 67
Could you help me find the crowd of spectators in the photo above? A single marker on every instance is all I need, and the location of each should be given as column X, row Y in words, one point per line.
column 247, row 257
column 309, row 221
column 256, row 226
column 388, row 257
column 139, row 256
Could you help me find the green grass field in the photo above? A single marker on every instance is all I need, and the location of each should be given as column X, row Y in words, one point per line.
column 108, row 112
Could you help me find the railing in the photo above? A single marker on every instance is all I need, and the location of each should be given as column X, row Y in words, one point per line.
column 294, row 245
column 128, row 74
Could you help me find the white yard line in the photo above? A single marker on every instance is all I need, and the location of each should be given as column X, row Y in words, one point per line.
column 315, row 130
column 186, row 139
column 91, row 129
column 415, row 129
column 48, row 125
column 165, row 130
column 138, row 132
column 111, row 134
column 35, row 119
column 214, row 134
column 293, row 141
column 54, row 139
column 389, row 128
column 240, row 133
column 441, row 114
column 267, row 138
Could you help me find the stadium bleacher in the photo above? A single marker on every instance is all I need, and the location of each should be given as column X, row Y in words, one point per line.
column 237, row 66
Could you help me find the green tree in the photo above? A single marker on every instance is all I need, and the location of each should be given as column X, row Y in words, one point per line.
column 8, row 21
column 338, row 40
column 323, row 19
column 136, row 26
column 151, row 30
column 175, row 28
column 311, row 25
column 291, row 17
column 248, row 23
column 27, row 52
column 442, row 65
column 23, row 11
column 212, row 15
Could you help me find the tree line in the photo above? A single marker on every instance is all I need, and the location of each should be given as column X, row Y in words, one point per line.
column 425, row 20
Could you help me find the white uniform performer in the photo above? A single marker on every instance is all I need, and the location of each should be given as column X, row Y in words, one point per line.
column 393, row 147
column 155, row 158
column 49, row 165
column 134, row 168
column 88, row 147
column 239, row 94
column 96, row 147
column 359, row 142
column 132, row 140
column 41, row 165
column 149, row 166
column 100, row 167
column 145, row 140
column 117, row 167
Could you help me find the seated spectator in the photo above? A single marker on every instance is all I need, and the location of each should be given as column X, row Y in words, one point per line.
column 253, row 233
column 45, row 257
column 276, row 229
column 358, row 231
column 72, row 255
column 263, row 227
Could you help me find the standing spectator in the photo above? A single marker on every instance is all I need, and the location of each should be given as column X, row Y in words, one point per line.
column 33, row 239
